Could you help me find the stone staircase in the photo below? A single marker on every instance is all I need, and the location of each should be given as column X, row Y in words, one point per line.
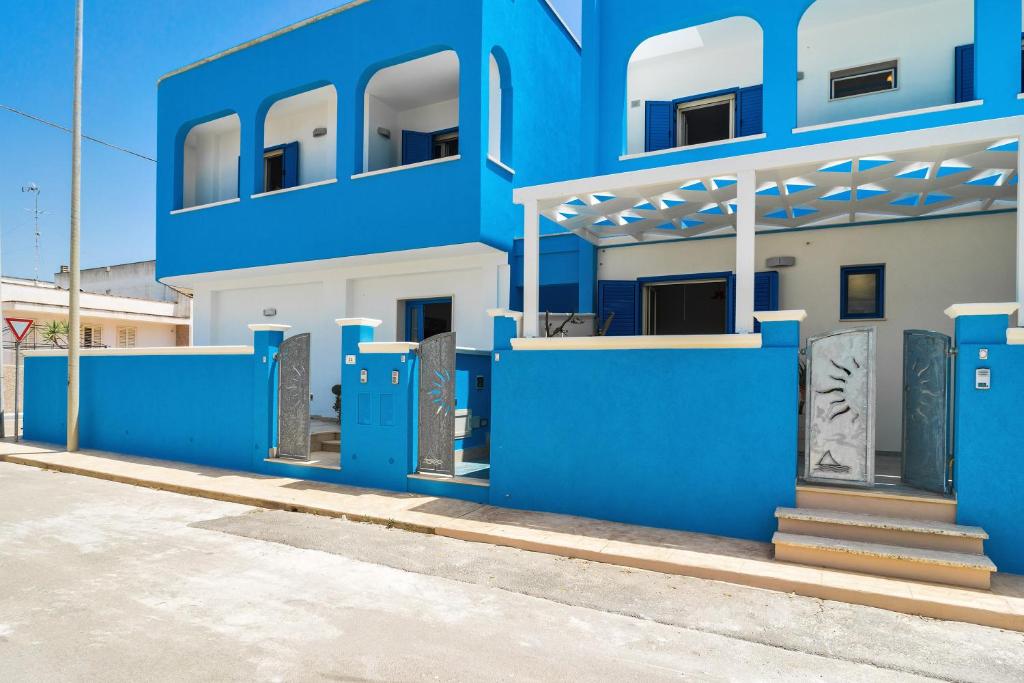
column 908, row 536
column 328, row 442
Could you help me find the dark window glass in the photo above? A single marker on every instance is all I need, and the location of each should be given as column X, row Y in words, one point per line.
column 437, row 318
column 863, row 80
column 705, row 123
column 445, row 145
column 273, row 171
column 687, row 308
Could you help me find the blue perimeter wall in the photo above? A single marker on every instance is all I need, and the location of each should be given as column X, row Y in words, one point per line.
column 989, row 452
column 191, row 408
column 698, row 439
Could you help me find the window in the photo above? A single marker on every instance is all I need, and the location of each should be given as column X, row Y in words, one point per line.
column 862, row 292
column 126, row 337
column 705, row 120
column 689, row 307
column 426, row 317
column 445, row 144
column 281, row 167
column 92, row 336
column 863, row 80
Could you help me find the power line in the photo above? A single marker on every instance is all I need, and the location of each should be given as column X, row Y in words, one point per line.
column 68, row 130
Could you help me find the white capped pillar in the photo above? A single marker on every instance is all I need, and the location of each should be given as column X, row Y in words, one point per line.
column 531, row 269
column 1020, row 230
column 746, row 218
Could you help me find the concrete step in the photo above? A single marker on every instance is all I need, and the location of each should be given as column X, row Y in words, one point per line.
column 902, row 505
column 938, row 566
column 331, row 445
column 317, row 439
column 896, row 531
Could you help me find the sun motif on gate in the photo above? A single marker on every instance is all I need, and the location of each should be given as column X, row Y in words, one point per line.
column 846, row 393
column 442, row 378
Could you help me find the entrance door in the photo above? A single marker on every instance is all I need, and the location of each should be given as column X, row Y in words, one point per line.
column 293, row 398
column 436, row 421
column 926, row 376
column 840, row 408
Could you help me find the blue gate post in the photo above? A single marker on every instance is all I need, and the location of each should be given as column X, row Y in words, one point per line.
column 265, row 341
column 988, row 461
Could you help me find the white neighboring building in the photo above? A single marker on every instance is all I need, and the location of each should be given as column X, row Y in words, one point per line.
column 108, row 320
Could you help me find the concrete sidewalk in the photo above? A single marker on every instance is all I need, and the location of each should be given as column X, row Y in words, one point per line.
column 675, row 552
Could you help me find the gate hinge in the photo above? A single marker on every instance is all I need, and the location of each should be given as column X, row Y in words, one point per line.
column 272, row 452
column 952, row 351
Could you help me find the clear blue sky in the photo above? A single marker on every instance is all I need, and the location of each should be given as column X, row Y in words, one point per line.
column 128, row 45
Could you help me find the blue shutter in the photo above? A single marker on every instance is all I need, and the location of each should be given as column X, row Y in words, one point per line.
column 766, row 293
column 963, row 90
column 750, row 111
column 291, row 165
column 659, row 126
column 416, row 146
column 618, row 297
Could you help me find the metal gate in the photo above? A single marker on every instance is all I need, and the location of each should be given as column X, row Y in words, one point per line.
column 436, row 422
column 840, row 446
column 293, row 398
column 926, row 414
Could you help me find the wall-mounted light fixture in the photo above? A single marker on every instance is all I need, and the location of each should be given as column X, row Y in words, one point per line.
column 384, row 132
column 780, row 262
column 269, row 312
column 319, row 132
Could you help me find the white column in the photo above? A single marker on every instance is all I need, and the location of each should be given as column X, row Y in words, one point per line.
column 746, row 196
column 531, row 269
column 1020, row 230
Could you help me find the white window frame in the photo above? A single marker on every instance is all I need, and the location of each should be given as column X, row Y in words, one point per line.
column 95, row 335
column 684, row 107
column 881, row 67
column 125, row 330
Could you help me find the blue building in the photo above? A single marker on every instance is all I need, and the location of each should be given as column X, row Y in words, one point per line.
column 361, row 163
column 716, row 270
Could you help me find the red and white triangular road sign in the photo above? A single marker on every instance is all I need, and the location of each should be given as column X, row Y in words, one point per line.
column 19, row 327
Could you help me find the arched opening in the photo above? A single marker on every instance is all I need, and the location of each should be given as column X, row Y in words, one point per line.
column 695, row 86
column 499, row 109
column 412, row 112
column 878, row 57
column 210, row 162
column 300, row 140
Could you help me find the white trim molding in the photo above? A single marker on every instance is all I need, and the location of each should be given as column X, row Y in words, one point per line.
column 223, row 202
column 388, row 347
column 796, row 316
column 293, row 189
column 892, row 115
column 152, row 351
column 1015, row 336
column 682, row 341
column 957, row 310
column 504, row 313
column 365, row 322
column 268, row 327
column 406, row 167
column 700, row 145
column 503, row 166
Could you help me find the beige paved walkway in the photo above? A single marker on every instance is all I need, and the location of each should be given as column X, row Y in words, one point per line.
column 711, row 557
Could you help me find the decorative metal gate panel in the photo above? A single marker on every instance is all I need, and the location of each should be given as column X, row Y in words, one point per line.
column 293, row 398
column 436, row 435
column 840, row 408
column 926, row 401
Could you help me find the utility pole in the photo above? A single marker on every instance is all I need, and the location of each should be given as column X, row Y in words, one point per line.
column 74, row 330
column 34, row 189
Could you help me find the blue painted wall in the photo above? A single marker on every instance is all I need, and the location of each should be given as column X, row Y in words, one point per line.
column 989, row 456
column 566, row 263
column 468, row 367
column 698, row 440
column 468, row 200
column 197, row 409
column 614, row 28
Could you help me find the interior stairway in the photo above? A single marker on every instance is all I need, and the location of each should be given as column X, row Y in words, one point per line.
column 906, row 536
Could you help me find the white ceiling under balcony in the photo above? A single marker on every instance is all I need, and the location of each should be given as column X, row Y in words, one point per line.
column 423, row 81
column 941, row 179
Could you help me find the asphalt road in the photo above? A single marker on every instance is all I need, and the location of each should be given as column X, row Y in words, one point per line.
column 104, row 581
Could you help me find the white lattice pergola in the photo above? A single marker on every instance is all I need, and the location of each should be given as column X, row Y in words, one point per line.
column 953, row 169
